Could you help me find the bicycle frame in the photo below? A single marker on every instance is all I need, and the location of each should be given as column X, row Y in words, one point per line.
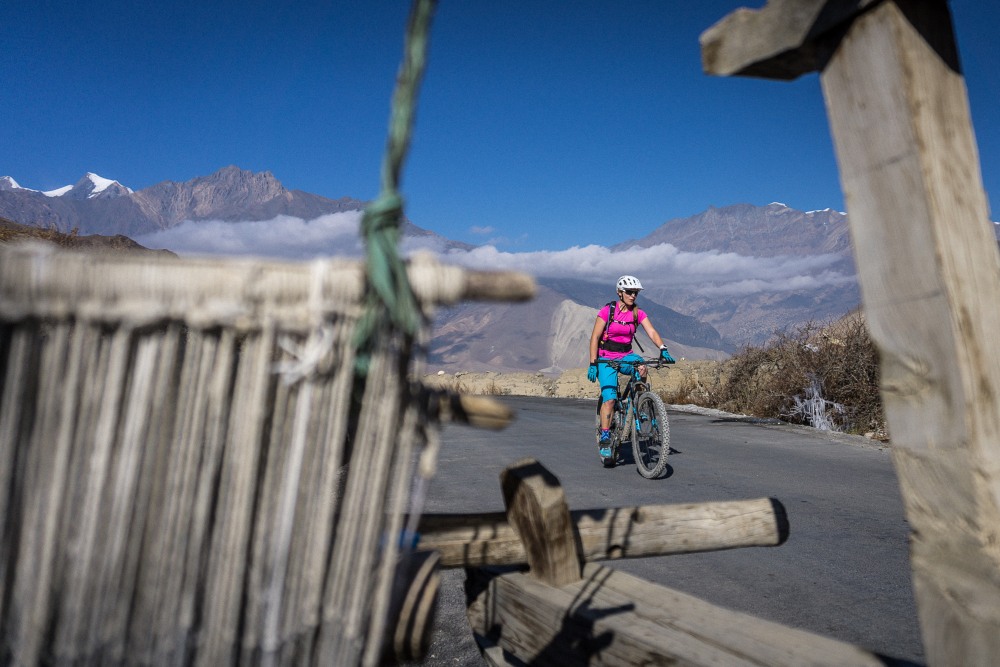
column 624, row 405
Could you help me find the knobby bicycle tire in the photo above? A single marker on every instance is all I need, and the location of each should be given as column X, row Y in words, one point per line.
column 650, row 435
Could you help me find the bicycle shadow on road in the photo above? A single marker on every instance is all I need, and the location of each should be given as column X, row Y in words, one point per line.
column 627, row 458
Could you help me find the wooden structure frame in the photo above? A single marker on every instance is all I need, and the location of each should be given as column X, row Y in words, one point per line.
column 565, row 609
column 191, row 473
column 930, row 278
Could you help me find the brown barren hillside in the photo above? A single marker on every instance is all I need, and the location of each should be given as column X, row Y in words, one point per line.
column 13, row 232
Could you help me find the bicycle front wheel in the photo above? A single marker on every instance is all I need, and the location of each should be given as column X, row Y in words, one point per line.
column 650, row 435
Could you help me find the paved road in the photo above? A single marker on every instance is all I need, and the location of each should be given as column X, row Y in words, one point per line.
column 843, row 572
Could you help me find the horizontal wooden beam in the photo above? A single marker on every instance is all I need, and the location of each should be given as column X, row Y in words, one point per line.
column 468, row 540
column 498, row 286
column 612, row 618
column 479, row 411
column 783, row 40
column 240, row 292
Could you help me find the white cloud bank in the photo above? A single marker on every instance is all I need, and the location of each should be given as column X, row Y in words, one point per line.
column 284, row 237
column 712, row 273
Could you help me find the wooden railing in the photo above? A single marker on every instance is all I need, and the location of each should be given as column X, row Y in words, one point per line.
column 561, row 608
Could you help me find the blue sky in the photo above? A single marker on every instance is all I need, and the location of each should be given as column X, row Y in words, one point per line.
column 541, row 125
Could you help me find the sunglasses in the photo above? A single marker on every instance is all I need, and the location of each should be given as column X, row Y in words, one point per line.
column 630, row 292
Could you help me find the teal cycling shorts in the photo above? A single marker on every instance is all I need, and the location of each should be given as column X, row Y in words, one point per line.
column 608, row 376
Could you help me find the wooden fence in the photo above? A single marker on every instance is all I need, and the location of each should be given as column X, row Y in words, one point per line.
column 190, row 475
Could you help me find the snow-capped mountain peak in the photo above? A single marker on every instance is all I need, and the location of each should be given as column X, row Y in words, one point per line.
column 88, row 187
column 91, row 186
column 102, row 184
column 58, row 192
column 8, row 183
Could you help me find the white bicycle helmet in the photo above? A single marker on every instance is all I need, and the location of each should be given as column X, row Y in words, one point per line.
column 628, row 282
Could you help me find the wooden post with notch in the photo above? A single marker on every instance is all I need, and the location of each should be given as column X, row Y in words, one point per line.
column 536, row 508
column 929, row 272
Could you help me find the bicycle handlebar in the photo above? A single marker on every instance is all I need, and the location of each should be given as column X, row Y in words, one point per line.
column 652, row 361
column 656, row 362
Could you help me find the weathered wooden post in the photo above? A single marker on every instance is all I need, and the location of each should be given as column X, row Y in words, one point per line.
column 536, row 507
column 929, row 272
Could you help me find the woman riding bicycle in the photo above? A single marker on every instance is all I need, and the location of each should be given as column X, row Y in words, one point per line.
column 611, row 339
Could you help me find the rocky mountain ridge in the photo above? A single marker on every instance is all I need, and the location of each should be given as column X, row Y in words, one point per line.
column 228, row 194
column 753, row 315
column 755, row 231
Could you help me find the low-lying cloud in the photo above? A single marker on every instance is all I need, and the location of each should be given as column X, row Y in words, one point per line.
column 711, row 273
column 284, row 237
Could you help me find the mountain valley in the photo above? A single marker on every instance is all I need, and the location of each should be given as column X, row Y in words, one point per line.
column 760, row 269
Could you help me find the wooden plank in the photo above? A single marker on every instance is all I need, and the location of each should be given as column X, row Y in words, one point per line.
column 469, row 540
column 496, row 656
column 612, row 618
column 783, row 40
column 930, row 280
column 156, row 288
column 478, row 411
column 508, row 286
column 536, row 508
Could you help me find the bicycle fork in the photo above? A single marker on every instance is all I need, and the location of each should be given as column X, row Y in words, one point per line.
column 644, row 423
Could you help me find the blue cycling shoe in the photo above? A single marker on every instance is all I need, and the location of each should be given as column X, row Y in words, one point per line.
column 605, row 449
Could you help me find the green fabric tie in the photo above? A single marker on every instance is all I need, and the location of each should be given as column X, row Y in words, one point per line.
column 388, row 294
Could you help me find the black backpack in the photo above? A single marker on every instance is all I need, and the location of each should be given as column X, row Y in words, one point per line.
column 611, row 346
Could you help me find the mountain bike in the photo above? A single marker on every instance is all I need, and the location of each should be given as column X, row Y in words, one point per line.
column 640, row 418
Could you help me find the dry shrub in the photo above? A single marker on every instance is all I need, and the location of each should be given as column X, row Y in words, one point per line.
column 457, row 385
column 493, row 389
column 838, row 362
column 9, row 233
column 691, row 390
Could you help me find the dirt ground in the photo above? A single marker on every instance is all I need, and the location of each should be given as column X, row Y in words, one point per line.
column 691, row 376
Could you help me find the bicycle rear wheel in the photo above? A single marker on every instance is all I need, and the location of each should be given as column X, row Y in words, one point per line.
column 650, row 435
